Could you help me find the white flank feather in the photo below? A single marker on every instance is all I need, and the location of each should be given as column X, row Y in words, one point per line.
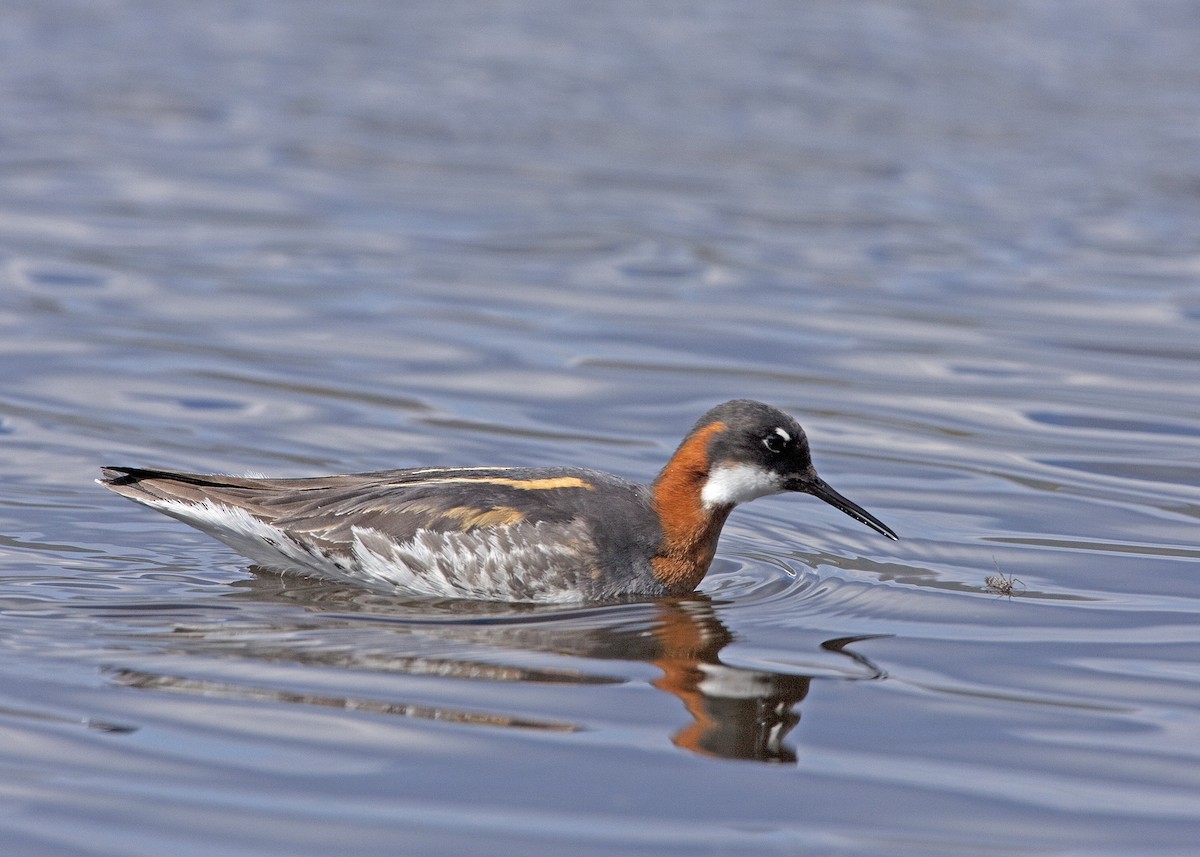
column 485, row 564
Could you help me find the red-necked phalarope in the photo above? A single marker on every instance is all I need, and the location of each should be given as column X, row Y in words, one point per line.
column 505, row 533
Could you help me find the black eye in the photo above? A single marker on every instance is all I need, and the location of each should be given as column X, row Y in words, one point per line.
column 775, row 442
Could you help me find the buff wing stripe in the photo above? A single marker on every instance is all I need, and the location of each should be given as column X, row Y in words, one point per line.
column 522, row 484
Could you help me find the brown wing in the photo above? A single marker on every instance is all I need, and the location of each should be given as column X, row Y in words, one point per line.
column 397, row 503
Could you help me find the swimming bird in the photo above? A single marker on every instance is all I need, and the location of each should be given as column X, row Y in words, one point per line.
column 518, row 534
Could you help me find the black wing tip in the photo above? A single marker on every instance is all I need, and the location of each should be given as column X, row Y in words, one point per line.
column 130, row 475
column 117, row 475
column 123, row 477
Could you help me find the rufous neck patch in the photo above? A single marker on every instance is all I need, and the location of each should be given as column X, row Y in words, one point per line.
column 690, row 530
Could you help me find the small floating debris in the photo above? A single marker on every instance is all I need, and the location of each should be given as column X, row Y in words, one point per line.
column 1003, row 586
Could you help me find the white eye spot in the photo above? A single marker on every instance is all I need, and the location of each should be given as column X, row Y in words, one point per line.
column 777, row 440
column 739, row 483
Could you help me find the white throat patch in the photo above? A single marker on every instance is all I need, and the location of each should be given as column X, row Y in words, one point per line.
column 739, row 483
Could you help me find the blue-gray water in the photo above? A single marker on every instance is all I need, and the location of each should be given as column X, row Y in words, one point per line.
column 960, row 241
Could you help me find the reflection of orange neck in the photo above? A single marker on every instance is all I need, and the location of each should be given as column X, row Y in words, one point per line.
column 688, row 643
column 735, row 713
column 681, row 679
column 690, row 530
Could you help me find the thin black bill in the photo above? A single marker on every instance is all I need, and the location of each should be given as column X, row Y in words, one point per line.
column 819, row 488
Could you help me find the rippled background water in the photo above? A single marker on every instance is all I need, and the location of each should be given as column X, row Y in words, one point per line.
column 961, row 241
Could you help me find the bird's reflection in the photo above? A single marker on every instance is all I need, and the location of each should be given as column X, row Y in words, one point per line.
column 735, row 712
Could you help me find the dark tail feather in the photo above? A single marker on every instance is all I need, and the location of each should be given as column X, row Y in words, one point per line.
column 150, row 485
column 116, row 477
